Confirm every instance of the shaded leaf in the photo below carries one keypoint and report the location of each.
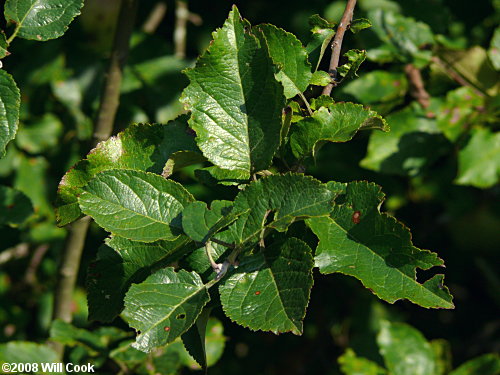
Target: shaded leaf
(10, 99)
(214, 344)
(337, 123)
(321, 34)
(350, 364)
(458, 111)
(41, 135)
(479, 161)
(413, 143)
(357, 240)
(194, 339)
(142, 147)
(276, 202)
(15, 206)
(200, 223)
(355, 58)
(27, 352)
(286, 51)
(404, 38)
(487, 364)
(3, 45)
(235, 100)
(494, 50)
(164, 306)
(270, 290)
(122, 262)
(359, 24)
(137, 205)
(320, 78)
(41, 19)
(213, 175)
(405, 350)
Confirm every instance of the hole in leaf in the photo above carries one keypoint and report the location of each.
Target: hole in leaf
(181, 316)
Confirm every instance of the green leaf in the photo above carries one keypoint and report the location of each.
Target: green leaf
(414, 143)
(137, 205)
(164, 306)
(236, 102)
(350, 364)
(287, 52)
(213, 175)
(194, 339)
(357, 240)
(121, 263)
(487, 364)
(355, 58)
(359, 24)
(10, 100)
(15, 206)
(337, 123)
(442, 355)
(321, 34)
(142, 147)
(405, 350)
(27, 352)
(3, 45)
(41, 19)
(276, 202)
(404, 38)
(320, 78)
(458, 111)
(379, 89)
(214, 344)
(200, 223)
(479, 161)
(41, 135)
(98, 340)
(494, 50)
(270, 290)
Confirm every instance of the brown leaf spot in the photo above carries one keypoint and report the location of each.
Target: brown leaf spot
(356, 217)
(257, 292)
(166, 329)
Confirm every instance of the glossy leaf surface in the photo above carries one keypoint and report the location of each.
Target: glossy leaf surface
(164, 306)
(270, 290)
(122, 262)
(358, 240)
(42, 19)
(337, 123)
(136, 205)
(10, 99)
(141, 147)
(235, 100)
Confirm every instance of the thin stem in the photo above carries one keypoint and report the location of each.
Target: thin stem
(418, 90)
(455, 75)
(155, 17)
(337, 44)
(306, 103)
(181, 19)
(75, 242)
(14, 34)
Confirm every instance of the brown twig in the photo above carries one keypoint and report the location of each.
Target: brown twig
(337, 44)
(417, 90)
(155, 17)
(453, 74)
(19, 251)
(75, 242)
(36, 259)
